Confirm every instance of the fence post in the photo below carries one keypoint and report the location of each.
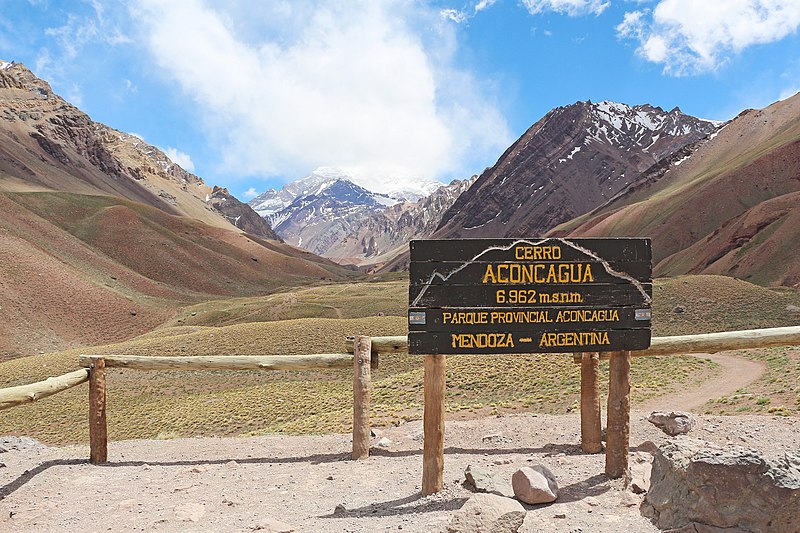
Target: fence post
(433, 424)
(619, 407)
(362, 355)
(590, 403)
(98, 429)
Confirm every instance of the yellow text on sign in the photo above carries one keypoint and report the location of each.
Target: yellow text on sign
(538, 273)
(537, 253)
(530, 296)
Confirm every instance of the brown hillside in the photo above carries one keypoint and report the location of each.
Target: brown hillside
(761, 244)
(714, 199)
(81, 269)
(47, 144)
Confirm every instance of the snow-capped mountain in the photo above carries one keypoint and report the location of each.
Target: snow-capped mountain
(422, 189)
(328, 214)
(572, 160)
(270, 202)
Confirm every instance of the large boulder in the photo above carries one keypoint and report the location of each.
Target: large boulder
(487, 513)
(534, 485)
(698, 484)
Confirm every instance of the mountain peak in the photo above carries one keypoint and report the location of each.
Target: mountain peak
(573, 159)
(17, 76)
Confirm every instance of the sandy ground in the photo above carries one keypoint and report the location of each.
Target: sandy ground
(257, 484)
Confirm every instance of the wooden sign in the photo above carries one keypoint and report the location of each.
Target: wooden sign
(529, 295)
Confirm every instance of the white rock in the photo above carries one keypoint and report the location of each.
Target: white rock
(534, 484)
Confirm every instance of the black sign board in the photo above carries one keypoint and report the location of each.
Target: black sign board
(529, 295)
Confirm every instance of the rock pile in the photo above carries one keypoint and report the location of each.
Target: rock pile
(493, 509)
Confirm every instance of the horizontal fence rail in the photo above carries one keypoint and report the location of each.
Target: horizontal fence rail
(35, 391)
(679, 344)
(223, 362)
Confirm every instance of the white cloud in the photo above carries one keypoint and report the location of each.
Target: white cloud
(456, 15)
(690, 37)
(573, 8)
(484, 4)
(130, 87)
(181, 158)
(250, 193)
(463, 15)
(366, 86)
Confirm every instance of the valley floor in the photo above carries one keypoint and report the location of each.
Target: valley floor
(247, 484)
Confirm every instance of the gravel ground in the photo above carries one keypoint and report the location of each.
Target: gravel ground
(252, 484)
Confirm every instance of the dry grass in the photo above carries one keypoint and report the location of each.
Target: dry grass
(350, 300)
(175, 403)
(776, 393)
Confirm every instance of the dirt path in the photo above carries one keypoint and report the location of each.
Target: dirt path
(737, 372)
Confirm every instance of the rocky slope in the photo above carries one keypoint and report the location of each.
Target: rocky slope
(730, 207)
(382, 241)
(48, 144)
(572, 160)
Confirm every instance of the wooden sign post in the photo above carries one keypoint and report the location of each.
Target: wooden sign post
(495, 296)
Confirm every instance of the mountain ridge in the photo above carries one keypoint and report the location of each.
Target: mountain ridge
(49, 144)
(727, 209)
(328, 214)
(571, 160)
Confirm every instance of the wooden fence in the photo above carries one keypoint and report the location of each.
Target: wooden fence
(363, 356)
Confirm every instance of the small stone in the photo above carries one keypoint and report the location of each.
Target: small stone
(273, 526)
(385, 442)
(674, 423)
(329, 478)
(793, 308)
(559, 516)
(375, 433)
(340, 510)
(534, 484)
(133, 313)
(678, 309)
(194, 313)
(494, 438)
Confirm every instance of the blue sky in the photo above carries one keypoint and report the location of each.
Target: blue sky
(252, 94)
